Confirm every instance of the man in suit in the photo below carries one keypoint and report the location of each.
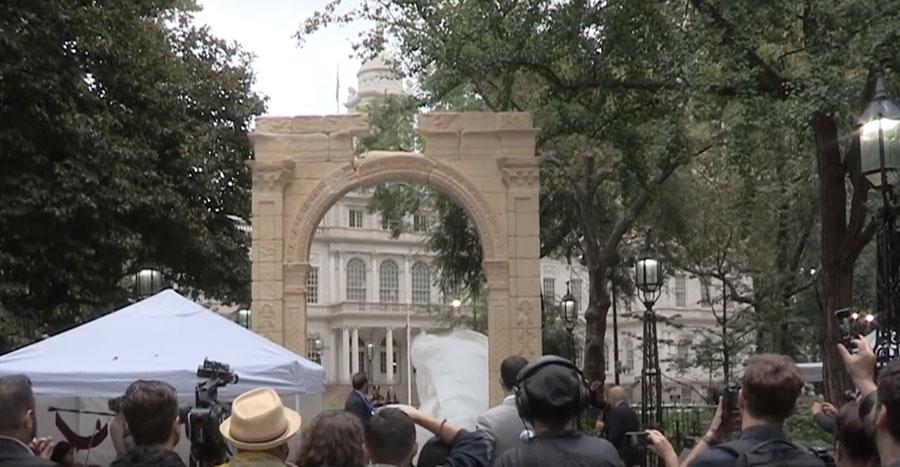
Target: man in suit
(620, 419)
(18, 426)
(357, 402)
(501, 425)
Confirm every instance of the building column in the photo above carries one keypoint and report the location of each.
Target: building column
(354, 349)
(345, 355)
(332, 367)
(389, 355)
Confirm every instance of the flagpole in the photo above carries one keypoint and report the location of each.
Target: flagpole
(408, 359)
(337, 90)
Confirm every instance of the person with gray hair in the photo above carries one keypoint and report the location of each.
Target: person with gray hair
(18, 426)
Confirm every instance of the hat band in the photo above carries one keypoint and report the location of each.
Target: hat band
(262, 441)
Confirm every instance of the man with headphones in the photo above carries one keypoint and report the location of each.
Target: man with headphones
(550, 395)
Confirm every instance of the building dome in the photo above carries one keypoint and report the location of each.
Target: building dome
(376, 77)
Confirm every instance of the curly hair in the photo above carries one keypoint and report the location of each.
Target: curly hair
(333, 438)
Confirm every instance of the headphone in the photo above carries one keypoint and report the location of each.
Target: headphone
(523, 401)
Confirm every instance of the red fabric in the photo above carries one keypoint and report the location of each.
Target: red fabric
(82, 442)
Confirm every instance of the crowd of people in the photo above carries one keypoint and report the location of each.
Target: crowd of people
(535, 425)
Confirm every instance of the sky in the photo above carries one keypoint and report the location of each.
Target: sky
(297, 81)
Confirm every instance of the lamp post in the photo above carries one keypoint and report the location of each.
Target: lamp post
(568, 310)
(243, 317)
(617, 366)
(879, 149)
(370, 355)
(147, 282)
(648, 280)
(318, 346)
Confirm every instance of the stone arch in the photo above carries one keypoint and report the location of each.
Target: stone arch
(484, 161)
(377, 167)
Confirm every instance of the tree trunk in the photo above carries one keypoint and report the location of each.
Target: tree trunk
(837, 284)
(595, 326)
(837, 262)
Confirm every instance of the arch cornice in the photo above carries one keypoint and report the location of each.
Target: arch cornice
(380, 166)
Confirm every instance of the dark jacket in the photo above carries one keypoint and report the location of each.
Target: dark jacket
(13, 454)
(469, 449)
(139, 456)
(620, 420)
(565, 449)
(359, 405)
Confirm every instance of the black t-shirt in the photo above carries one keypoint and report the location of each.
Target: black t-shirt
(566, 449)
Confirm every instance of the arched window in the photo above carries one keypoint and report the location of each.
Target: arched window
(356, 280)
(421, 283)
(388, 282)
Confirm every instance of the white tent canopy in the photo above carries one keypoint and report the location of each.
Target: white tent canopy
(165, 337)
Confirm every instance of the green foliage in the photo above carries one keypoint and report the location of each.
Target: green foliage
(392, 123)
(554, 337)
(451, 235)
(123, 138)
(803, 430)
(626, 92)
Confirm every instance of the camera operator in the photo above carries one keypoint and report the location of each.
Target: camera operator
(550, 394)
(770, 387)
(151, 411)
(883, 418)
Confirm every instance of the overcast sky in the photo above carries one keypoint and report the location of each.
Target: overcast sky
(297, 81)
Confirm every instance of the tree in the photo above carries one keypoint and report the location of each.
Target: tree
(571, 65)
(627, 92)
(812, 64)
(123, 138)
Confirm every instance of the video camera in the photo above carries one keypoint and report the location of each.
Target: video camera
(201, 422)
(852, 324)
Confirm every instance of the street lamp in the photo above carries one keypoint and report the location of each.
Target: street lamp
(147, 282)
(568, 310)
(318, 346)
(243, 318)
(879, 149)
(649, 282)
(370, 355)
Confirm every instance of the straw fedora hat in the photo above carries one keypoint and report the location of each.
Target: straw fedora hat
(259, 421)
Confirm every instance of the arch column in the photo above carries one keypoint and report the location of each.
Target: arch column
(295, 291)
(521, 177)
(496, 273)
(267, 247)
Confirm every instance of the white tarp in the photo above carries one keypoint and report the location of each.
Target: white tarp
(164, 337)
(452, 375)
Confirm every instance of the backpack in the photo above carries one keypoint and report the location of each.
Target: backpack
(769, 453)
